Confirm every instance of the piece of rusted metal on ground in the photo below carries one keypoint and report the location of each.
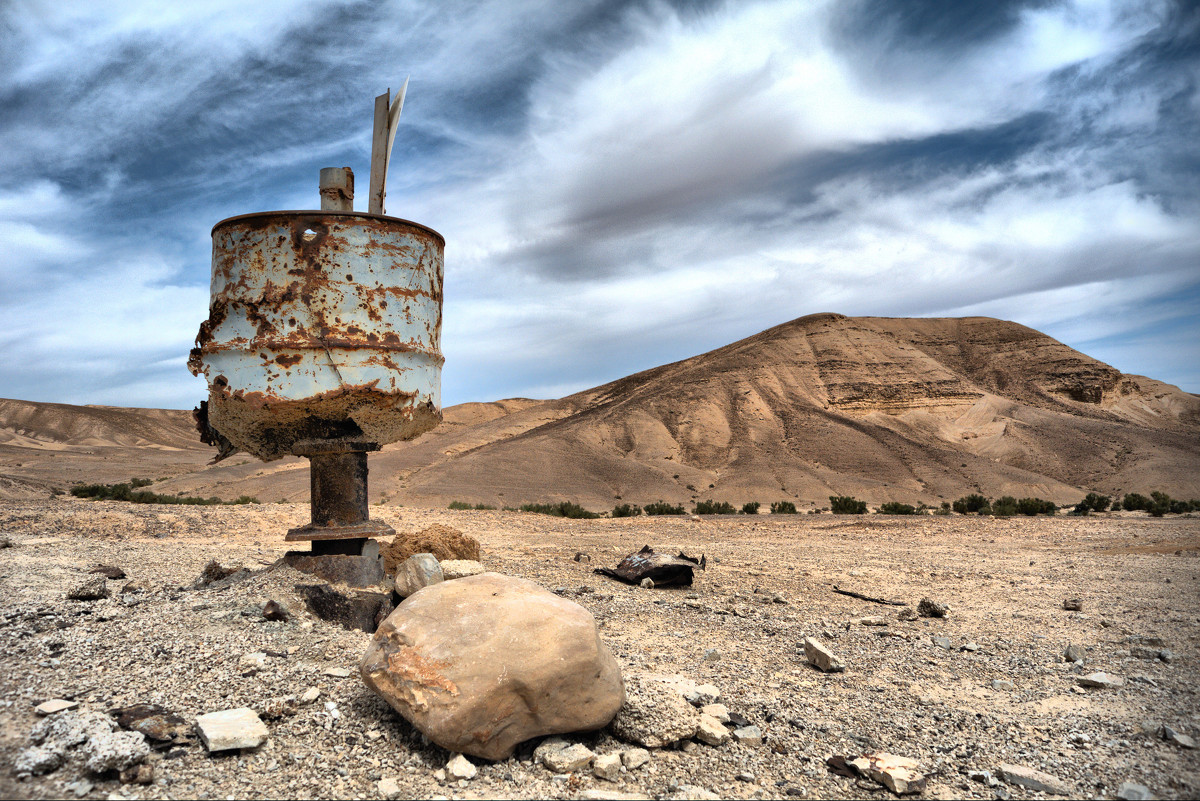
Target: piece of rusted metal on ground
(862, 597)
(353, 570)
(322, 325)
(661, 568)
(354, 610)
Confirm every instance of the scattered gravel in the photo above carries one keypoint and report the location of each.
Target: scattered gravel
(182, 649)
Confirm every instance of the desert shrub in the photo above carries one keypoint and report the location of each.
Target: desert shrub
(663, 508)
(140, 482)
(944, 509)
(711, 507)
(562, 509)
(972, 504)
(464, 505)
(1116, 507)
(1096, 502)
(896, 508)
(125, 492)
(1136, 502)
(626, 510)
(1035, 506)
(1005, 506)
(750, 508)
(847, 505)
(783, 508)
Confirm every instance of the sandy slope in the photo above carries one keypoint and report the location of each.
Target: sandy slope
(880, 408)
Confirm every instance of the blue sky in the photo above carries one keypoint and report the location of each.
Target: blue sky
(620, 184)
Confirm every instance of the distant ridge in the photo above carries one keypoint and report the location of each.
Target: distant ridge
(905, 409)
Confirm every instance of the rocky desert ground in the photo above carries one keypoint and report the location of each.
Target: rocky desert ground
(986, 686)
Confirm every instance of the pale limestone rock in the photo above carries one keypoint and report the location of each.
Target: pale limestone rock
(90, 590)
(231, 728)
(898, 774)
(1132, 791)
(114, 750)
(821, 657)
(607, 767)
(69, 729)
(417, 572)
(389, 788)
(691, 792)
(461, 568)
(459, 767)
(547, 746)
(654, 715)
(692, 691)
(54, 705)
(310, 695)
(711, 732)
(718, 711)
(748, 735)
(1100, 680)
(38, 759)
(1034, 780)
(634, 758)
(482, 663)
(570, 759)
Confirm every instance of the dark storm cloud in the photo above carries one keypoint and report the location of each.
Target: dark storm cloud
(620, 184)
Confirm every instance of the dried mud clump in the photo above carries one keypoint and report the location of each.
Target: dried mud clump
(442, 541)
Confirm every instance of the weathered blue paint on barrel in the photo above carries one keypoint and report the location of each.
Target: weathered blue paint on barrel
(322, 325)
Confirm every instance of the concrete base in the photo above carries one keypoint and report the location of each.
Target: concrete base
(353, 571)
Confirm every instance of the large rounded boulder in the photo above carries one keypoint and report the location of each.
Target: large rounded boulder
(482, 663)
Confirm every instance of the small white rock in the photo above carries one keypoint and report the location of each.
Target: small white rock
(54, 705)
(718, 711)
(231, 728)
(634, 758)
(821, 657)
(711, 732)
(748, 735)
(1100, 680)
(570, 759)
(337, 673)
(459, 767)
(461, 568)
(310, 695)
(607, 767)
(388, 788)
(417, 572)
(256, 660)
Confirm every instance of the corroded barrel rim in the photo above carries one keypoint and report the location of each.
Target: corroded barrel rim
(327, 214)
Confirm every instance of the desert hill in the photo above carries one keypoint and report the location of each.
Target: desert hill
(884, 409)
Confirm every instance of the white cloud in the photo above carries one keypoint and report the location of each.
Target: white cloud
(658, 185)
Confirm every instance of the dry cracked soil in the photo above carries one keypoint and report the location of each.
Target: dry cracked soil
(920, 688)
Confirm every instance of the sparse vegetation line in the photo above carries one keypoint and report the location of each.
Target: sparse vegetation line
(132, 493)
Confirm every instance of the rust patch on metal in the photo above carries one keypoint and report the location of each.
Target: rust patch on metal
(288, 361)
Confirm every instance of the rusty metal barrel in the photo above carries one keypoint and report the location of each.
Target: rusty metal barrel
(322, 325)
